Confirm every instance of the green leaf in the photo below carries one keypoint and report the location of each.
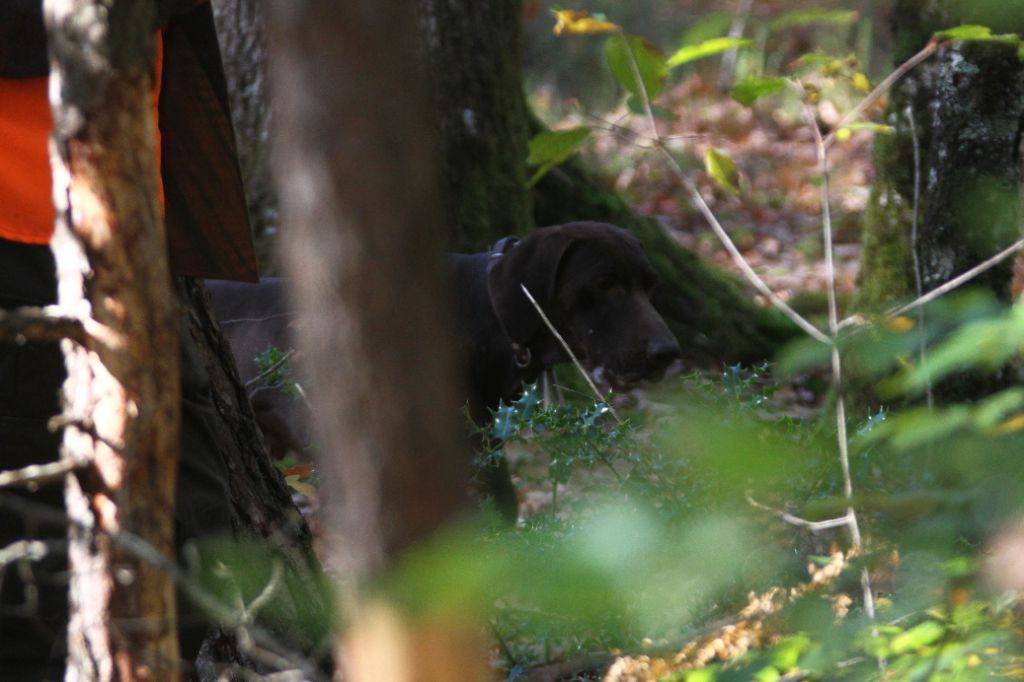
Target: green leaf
(918, 426)
(710, 25)
(551, 147)
(505, 423)
(751, 89)
(786, 654)
(965, 32)
(918, 636)
(987, 343)
(803, 17)
(722, 169)
(846, 132)
(708, 48)
(621, 51)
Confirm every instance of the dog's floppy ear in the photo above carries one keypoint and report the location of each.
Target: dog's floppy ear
(533, 262)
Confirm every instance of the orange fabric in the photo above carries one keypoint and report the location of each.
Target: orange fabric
(27, 214)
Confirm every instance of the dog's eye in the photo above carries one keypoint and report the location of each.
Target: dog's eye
(605, 284)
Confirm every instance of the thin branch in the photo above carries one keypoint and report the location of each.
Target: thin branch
(268, 592)
(285, 658)
(737, 257)
(270, 370)
(833, 320)
(30, 550)
(837, 367)
(47, 324)
(960, 279)
(794, 520)
(727, 69)
(36, 475)
(915, 209)
(572, 356)
(883, 87)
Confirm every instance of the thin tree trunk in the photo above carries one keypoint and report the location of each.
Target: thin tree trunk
(122, 393)
(363, 243)
(242, 47)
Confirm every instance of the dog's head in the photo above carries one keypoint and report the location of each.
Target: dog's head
(594, 282)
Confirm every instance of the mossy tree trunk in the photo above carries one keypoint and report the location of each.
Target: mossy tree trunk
(965, 107)
(482, 117)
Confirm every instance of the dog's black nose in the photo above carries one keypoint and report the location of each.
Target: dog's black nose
(661, 352)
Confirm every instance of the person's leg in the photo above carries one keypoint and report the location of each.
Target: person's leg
(33, 594)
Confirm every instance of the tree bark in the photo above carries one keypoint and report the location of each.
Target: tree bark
(263, 513)
(122, 394)
(965, 107)
(954, 203)
(363, 243)
(475, 54)
(243, 52)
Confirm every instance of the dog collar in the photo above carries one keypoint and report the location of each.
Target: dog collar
(521, 354)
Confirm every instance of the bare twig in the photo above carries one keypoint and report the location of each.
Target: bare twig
(47, 324)
(833, 321)
(283, 657)
(268, 592)
(572, 356)
(794, 520)
(270, 370)
(709, 216)
(727, 70)
(737, 257)
(883, 87)
(36, 475)
(937, 292)
(918, 286)
(961, 279)
(842, 439)
(29, 550)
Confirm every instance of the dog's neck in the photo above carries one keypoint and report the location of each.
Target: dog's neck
(495, 372)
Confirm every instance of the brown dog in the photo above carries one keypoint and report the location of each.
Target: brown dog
(591, 279)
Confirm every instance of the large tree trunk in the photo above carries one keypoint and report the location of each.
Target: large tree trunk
(363, 240)
(122, 394)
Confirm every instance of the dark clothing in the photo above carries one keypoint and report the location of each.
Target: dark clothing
(32, 635)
